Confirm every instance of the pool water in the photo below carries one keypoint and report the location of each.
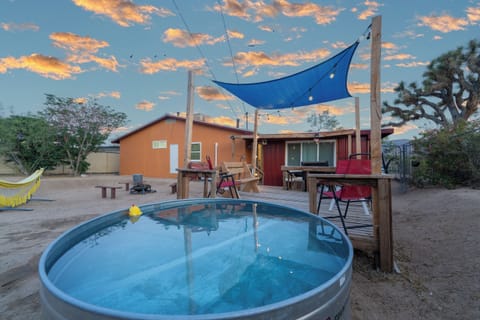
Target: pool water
(198, 259)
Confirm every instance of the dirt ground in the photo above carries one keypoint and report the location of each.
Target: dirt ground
(436, 242)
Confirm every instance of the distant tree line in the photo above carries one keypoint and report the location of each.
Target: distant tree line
(65, 132)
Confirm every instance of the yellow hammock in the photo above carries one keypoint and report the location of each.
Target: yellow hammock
(13, 194)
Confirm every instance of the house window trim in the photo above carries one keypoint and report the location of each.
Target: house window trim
(199, 152)
(310, 141)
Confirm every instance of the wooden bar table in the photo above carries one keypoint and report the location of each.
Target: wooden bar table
(381, 242)
(305, 171)
(183, 181)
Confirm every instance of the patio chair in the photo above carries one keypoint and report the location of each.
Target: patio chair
(293, 179)
(348, 193)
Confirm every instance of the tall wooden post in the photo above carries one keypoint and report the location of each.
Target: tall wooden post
(188, 122)
(255, 142)
(183, 180)
(381, 196)
(358, 138)
(375, 107)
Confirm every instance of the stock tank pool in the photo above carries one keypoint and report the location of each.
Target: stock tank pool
(199, 259)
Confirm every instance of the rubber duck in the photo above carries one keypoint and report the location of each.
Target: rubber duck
(134, 211)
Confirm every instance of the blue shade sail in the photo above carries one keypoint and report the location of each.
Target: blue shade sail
(323, 82)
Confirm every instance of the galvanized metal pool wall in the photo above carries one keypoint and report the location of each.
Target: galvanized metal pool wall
(207, 219)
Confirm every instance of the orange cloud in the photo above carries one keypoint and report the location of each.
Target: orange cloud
(222, 120)
(444, 23)
(321, 14)
(358, 88)
(123, 12)
(113, 94)
(361, 66)
(339, 45)
(259, 58)
(389, 46)
(406, 128)
(210, 93)
(48, 67)
(181, 38)
(255, 42)
(266, 28)
(473, 14)
(76, 43)
(364, 88)
(170, 64)
(400, 56)
(413, 64)
(19, 27)
(82, 49)
(371, 10)
(145, 106)
(233, 34)
(166, 95)
(258, 10)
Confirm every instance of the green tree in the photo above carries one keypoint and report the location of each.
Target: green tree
(29, 143)
(449, 156)
(82, 126)
(322, 121)
(449, 94)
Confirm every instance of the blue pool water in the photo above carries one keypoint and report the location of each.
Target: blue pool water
(197, 259)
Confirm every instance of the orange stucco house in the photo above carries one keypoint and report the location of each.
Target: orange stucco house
(157, 148)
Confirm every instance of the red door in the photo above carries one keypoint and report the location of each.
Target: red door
(273, 160)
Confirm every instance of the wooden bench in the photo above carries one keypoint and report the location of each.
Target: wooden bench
(112, 191)
(243, 176)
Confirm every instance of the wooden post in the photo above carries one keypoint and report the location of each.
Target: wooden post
(375, 108)
(358, 138)
(188, 122)
(183, 181)
(255, 142)
(381, 196)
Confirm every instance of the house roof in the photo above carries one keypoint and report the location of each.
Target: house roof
(172, 117)
(310, 135)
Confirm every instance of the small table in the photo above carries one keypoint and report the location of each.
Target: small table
(305, 170)
(382, 239)
(112, 191)
(183, 181)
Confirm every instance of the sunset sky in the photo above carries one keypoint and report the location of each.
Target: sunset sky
(135, 55)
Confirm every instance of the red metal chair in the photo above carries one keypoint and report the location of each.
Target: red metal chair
(348, 193)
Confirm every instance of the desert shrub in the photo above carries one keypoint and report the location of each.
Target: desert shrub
(449, 157)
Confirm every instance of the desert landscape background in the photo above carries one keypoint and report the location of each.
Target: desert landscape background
(436, 248)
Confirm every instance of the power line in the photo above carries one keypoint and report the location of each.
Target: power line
(200, 52)
(227, 37)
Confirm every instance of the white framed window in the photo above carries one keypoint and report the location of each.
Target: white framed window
(196, 151)
(159, 144)
(310, 151)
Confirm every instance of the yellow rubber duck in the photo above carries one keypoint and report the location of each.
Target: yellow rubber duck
(134, 211)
